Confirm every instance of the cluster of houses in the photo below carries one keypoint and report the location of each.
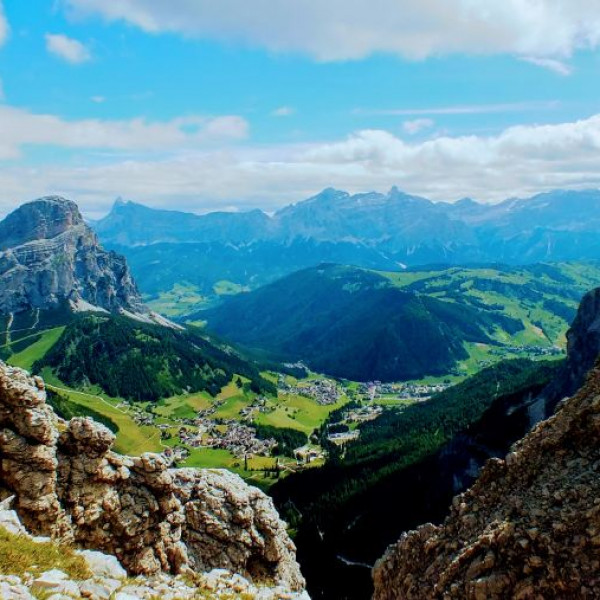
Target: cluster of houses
(231, 435)
(529, 350)
(259, 405)
(323, 391)
(374, 390)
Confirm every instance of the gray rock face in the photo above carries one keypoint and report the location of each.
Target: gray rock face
(48, 255)
(69, 485)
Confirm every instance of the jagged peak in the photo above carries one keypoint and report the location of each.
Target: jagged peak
(396, 193)
(328, 195)
(121, 205)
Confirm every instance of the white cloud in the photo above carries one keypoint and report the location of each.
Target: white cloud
(4, 28)
(519, 161)
(283, 111)
(98, 99)
(338, 29)
(20, 127)
(558, 66)
(67, 48)
(416, 125)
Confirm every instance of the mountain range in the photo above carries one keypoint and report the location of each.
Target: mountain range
(351, 321)
(381, 231)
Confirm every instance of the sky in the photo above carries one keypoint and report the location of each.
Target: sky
(233, 105)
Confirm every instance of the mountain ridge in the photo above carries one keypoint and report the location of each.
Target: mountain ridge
(387, 231)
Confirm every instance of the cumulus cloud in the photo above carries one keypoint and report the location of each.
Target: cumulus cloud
(338, 29)
(20, 127)
(67, 48)
(414, 126)
(520, 161)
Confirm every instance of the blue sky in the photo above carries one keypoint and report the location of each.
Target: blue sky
(204, 107)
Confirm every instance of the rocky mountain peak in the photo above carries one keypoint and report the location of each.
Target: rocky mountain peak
(397, 195)
(41, 219)
(48, 255)
(119, 201)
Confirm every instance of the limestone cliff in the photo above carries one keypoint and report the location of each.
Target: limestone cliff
(68, 484)
(528, 528)
(48, 255)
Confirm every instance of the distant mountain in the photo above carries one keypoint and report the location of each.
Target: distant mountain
(365, 325)
(131, 224)
(374, 230)
(49, 256)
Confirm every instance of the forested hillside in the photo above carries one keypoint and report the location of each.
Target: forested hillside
(366, 325)
(355, 324)
(142, 362)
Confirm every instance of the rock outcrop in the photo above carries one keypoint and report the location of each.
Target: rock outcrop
(528, 528)
(583, 348)
(48, 255)
(91, 574)
(69, 485)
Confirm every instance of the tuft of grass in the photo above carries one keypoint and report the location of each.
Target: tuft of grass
(20, 554)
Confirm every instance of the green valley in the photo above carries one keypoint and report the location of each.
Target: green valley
(205, 405)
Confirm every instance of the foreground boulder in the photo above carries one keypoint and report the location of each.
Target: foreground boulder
(528, 528)
(69, 485)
